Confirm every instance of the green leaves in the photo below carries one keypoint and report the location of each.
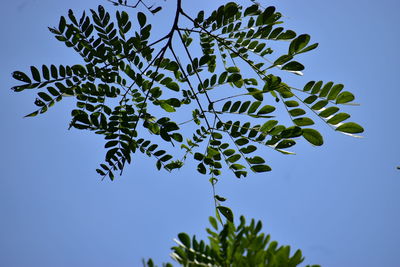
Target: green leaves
(126, 83)
(243, 244)
(329, 94)
(247, 108)
(130, 85)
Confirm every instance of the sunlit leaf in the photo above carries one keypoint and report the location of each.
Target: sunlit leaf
(261, 168)
(313, 136)
(266, 109)
(298, 43)
(344, 97)
(304, 121)
(167, 107)
(293, 66)
(338, 118)
(350, 127)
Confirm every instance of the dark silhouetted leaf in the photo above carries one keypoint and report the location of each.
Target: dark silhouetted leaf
(157, 9)
(35, 74)
(185, 239)
(226, 212)
(141, 18)
(20, 76)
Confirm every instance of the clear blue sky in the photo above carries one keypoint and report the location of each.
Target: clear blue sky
(338, 203)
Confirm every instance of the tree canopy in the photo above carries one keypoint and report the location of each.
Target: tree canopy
(224, 72)
(131, 82)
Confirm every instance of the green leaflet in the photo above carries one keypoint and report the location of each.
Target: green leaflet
(319, 105)
(248, 149)
(234, 158)
(334, 92)
(299, 43)
(35, 74)
(316, 87)
(296, 112)
(235, 106)
(254, 106)
(350, 127)
(293, 66)
(167, 107)
(304, 121)
(255, 160)
(285, 144)
(344, 97)
(227, 212)
(226, 106)
(266, 109)
(283, 59)
(338, 118)
(313, 136)
(142, 19)
(260, 168)
(185, 239)
(266, 127)
(20, 76)
(291, 103)
(328, 112)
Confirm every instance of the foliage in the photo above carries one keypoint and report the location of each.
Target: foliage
(242, 245)
(131, 84)
(229, 82)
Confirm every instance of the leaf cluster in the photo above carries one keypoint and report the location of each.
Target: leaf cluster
(132, 84)
(233, 245)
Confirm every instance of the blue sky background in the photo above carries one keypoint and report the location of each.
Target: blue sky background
(338, 203)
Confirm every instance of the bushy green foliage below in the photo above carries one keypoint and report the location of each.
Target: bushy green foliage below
(233, 246)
